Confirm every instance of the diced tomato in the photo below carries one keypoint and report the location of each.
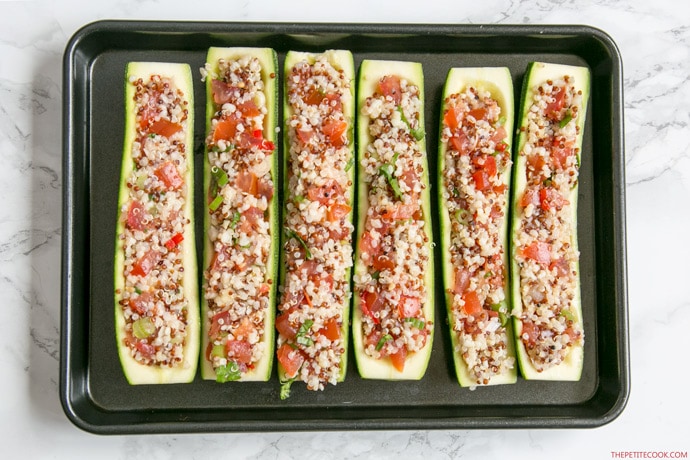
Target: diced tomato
(550, 197)
(481, 180)
(326, 193)
(498, 137)
(284, 327)
(460, 143)
(398, 359)
(244, 329)
(409, 306)
(561, 265)
(164, 127)
(389, 86)
(314, 97)
(371, 302)
(383, 262)
(324, 278)
(531, 330)
(536, 162)
(225, 129)
(219, 319)
(462, 280)
(451, 118)
(500, 189)
(305, 134)
(147, 350)
(222, 92)
(264, 189)
(334, 131)
(167, 173)
(373, 339)
(290, 359)
(334, 101)
(366, 245)
(139, 303)
(553, 108)
(239, 351)
(560, 156)
(479, 113)
(399, 211)
(410, 178)
(249, 109)
(174, 241)
(531, 196)
(135, 216)
(337, 211)
(267, 145)
(145, 264)
(472, 304)
(149, 111)
(246, 182)
(250, 219)
(293, 297)
(539, 252)
(490, 166)
(330, 330)
(264, 288)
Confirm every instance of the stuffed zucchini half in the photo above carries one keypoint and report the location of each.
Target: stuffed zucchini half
(156, 288)
(393, 315)
(475, 164)
(313, 319)
(547, 309)
(241, 218)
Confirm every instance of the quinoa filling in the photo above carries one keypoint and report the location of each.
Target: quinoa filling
(241, 188)
(394, 244)
(317, 225)
(153, 300)
(475, 196)
(547, 260)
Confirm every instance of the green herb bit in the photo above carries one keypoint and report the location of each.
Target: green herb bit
(137, 290)
(152, 136)
(501, 121)
(488, 274)
(376, 275)
(218, 350)
(228, 373)
(566, 119)
(567, 314)
(348, 166)
(382, 341)
(387, 170)
(219, 175)
(289, 233)
(497, 307)
(215, 204)
(235, 219)
(417, 133)
(143, 328)
(416, 322)
(285, 388)
(299, 198)
(301, 336)
(461, 215)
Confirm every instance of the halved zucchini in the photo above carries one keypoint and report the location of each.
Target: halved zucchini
(388, 357)
(546, 194)
(466, 88)
(142, 190)
(233, 319)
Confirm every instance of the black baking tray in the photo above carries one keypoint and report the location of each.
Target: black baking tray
(94, 393)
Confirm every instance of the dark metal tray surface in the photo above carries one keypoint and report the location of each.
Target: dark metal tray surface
(94, 393)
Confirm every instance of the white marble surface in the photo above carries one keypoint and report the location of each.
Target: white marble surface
(654, 38)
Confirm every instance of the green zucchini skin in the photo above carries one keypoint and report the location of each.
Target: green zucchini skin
(370, 72)
(269, 63)
(538, 72)
(342, 60)
(498, 82)
(135, 372)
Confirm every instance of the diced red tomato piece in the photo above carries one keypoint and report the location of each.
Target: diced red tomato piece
(135, 216)
(399, 211)
(284, 327)
(249, 109)
(409, 306)
(218, 320)
(239, 351)
(264, 189)
(225, 129)
(462, 280)
(244, 329)
(531, 330)
(460, 143)
(451, 118)
(410, 178)
(472, 304)
(560, 156)
(336, 212)
(561, 265)
(145, 264)
(479, 113)
(314, 97)
(481, 180)
(139, 303)
(389, 86)
(500, 189)
(539, 252)
(536, 162)
(168, 174)
(331, 330)
(383, 262)
(498, 137)
(550, 197)
(398, 359)
(147, 350)
(305, 134)
(531, 196)
(223, 92)
(290, 359)
(371, 302)
(373, 339)
(366, 245)
(326, 193)
(553, 108)
(334, 130)
(149, 111)
(246, 182)
(164, 127)
(174, 241)
(250, 219)
(334, 101)
(490, 166)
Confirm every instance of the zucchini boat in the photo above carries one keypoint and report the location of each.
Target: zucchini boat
(474, 176)
(393, 317)
(547, 310)
(319, 197)
(241, 218)
(156, 288)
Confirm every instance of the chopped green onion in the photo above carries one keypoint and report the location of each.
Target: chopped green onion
(152, 135)
(376, 275)
(215, 204)
(235, 219)
(382, 341)
(143, 328)
(349, 164)
(488, 274)
(418, 133)
(137, 290)
(387, 170)
(141, 181)
(416, 322)
(301, 336)
(455, 192)
(228, 373)
(461, 216)
(293, 234)
(219, 175)
(395, 159)
(299, 199)
(501, 315)
(566, 119)
(567, 314)
(218, 350)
